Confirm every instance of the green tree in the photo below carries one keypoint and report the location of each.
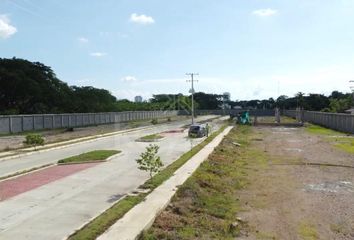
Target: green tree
(300, 99)
(340, 105)
(149, 161)
(208, 101)
(32, 87)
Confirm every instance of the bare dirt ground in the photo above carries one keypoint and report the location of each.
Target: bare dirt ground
(12, 142)
(297, 195)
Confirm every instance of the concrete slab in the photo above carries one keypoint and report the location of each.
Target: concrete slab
(143, 215)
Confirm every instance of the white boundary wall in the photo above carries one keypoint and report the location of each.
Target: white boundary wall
(22, 123)
(337, 121)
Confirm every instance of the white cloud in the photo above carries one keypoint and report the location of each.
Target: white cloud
(98, 54)
(129, 79)
(141, 19)
(83, 40)
(6, 29)
(266, 12)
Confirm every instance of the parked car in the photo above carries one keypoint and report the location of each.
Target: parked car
(197, 130)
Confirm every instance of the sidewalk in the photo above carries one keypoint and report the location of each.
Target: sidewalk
(143, 215)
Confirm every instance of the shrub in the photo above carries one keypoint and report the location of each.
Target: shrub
(154, 121)
(34, 140)
(168, 119)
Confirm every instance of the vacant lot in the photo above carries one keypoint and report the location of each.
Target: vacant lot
(281, 183)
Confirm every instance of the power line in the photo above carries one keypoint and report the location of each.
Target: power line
(192, 80)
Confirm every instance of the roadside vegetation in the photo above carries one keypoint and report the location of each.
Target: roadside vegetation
(34, 140)
(150, 138)
(97, 155)
(101, 223)
(149, 160)
(206, 205)
(340, 140)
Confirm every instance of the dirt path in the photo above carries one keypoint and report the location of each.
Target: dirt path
(290, 198)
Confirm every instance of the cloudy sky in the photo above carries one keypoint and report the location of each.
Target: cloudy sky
(252, 49)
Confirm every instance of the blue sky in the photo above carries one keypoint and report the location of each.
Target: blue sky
(252, 49)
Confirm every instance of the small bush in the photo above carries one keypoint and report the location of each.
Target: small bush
(154, 121)
(34, 140)
(168, 119)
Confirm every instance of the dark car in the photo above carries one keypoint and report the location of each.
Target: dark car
(197, 130)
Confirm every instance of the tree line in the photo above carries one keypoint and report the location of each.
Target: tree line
(32, 87)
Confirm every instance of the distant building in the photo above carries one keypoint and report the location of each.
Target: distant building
(138, 99)
(226, 96)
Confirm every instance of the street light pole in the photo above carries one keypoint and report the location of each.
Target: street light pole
(192, 91)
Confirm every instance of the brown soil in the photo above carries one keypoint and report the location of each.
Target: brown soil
(289, 199)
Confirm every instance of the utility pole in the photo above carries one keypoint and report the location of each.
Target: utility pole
(192, 80)
(351, 82)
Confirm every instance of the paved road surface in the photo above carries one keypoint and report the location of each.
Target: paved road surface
(54, 210)
(11, 166)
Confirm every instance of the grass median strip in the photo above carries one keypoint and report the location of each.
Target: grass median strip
(97, 155)
(101, 223)
(207, 204)
(150, 138)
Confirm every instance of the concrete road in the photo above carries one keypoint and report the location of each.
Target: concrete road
(37, 159)
(55, 210)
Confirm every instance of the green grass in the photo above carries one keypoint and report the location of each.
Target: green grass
(338, 139)
(316, 129)
(101, 223)
(206, 205)
(151, 137)
(345, 144)
(97, 155)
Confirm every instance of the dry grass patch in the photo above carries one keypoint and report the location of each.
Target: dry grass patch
(207, 204)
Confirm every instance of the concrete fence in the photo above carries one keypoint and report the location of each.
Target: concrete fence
(337, 121)
(22, 123)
